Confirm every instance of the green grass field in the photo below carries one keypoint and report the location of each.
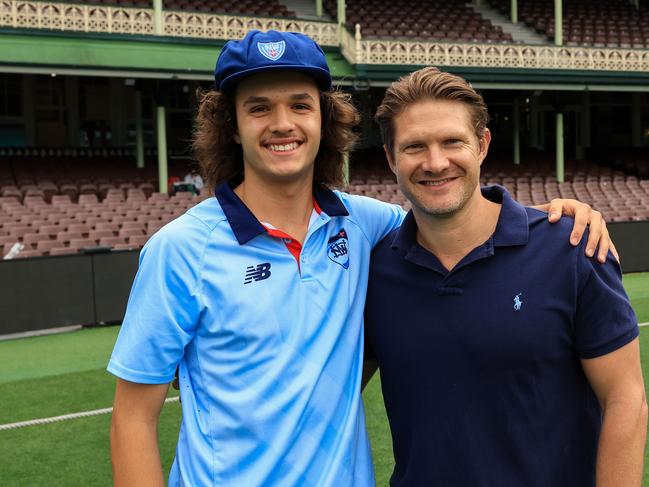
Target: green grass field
(61, 374)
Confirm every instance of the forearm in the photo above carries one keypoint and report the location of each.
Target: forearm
(621, 445)
(135, 455)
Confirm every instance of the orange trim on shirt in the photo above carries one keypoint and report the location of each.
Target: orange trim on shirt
(293, 246)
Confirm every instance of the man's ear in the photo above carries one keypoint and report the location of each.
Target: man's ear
(484, 144)
(236, 138)
(388, 156)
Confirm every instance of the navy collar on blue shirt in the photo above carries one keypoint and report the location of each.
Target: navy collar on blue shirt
(246, 226)
(512, 228)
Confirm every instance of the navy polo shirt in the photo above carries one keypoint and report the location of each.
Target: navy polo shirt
(480, 366)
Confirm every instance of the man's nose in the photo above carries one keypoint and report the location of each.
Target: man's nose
(282, 121)
(435, 159)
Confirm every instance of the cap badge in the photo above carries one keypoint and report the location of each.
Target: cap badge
(272, 50)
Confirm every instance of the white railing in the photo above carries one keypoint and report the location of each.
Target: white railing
(104, 19)
(501, 56)
(118, 20)
(210, 26)
(75, 17)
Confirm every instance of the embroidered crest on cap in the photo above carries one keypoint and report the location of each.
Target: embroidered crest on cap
(337, 249)
(272, 50)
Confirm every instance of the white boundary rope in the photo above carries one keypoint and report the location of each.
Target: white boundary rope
(65, 417)
(643, 324)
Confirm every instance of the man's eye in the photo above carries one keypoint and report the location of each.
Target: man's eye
(257, 109)
(301, 106)
(413, 148)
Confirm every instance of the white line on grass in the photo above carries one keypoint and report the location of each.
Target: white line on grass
(65, 417)
(38, 333)
(96, 412)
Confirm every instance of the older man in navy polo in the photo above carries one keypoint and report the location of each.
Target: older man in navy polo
(507, 357)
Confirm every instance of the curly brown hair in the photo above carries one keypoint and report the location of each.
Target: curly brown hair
(428, 83)
(221, 158)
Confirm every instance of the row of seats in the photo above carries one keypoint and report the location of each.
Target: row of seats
(268, 8)
(64, 227)
(29, 172)
(597, 23)
(625, 199)
(409, 19)
(48, 190)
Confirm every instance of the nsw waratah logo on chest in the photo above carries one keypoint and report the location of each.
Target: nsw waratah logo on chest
(337, 249)
(272, 50)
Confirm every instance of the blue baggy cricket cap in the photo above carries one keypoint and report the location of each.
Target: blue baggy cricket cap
(272, 50)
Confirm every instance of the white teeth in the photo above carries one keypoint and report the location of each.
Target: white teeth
(283, 147)
(436, 183)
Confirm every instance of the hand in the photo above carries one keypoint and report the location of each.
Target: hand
(584, 216)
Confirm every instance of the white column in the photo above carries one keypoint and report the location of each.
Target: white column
(163, 172)
(517, 135)
(560, 152)
(157, 18)
(558, 23)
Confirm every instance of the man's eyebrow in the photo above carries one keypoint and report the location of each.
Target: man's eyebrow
(255, 99)
(301, 96)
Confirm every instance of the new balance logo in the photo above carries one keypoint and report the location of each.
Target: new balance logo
(259, 273)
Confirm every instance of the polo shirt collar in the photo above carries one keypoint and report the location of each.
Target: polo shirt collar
(246, 226)
(512, 227)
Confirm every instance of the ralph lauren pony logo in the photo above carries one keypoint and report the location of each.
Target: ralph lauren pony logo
(337, 249)
(272, 50)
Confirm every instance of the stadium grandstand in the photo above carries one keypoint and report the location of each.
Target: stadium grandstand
(97, 99)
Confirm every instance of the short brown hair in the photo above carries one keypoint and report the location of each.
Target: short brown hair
(428, 84)
(221, 158)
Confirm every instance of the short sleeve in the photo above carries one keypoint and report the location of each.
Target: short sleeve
(163, 307)
(375, 218)
(604, 319)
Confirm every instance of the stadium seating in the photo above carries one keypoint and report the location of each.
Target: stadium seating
(124, 219)
(268, 8)
(619, 196)
(598, 23)
(84, 204)
(409, 19)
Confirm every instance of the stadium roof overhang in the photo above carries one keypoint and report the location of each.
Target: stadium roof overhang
(520, 79)
(82, 54)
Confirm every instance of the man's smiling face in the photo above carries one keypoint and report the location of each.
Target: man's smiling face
(437, 155)
(279, 125)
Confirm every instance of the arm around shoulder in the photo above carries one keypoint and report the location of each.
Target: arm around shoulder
(133, 434)
(616, 379)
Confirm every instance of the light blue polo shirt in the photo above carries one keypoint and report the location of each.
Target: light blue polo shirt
(270, 353)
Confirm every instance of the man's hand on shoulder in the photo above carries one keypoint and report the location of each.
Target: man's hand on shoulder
(585, 216)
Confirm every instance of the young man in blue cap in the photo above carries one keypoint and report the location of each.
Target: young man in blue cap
(256, 295)
(511, 358)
